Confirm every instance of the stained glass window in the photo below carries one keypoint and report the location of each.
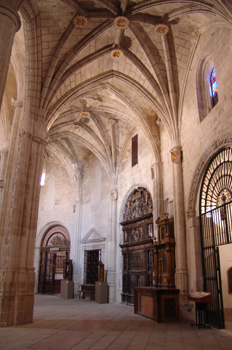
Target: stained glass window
(213, 87)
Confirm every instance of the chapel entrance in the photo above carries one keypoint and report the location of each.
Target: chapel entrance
(137, 244)
(216, 235)
(54, 248)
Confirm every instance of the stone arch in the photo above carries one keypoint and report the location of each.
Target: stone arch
(199, 172)
(52, 249)
(57, 235)
(45, 229)
(129, 192)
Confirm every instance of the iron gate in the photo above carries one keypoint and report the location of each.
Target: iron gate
(216, 227)
(216, 230)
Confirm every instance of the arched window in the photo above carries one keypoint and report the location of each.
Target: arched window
(206, 87)
(213, 87)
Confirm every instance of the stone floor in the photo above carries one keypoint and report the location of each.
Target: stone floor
(71, 324)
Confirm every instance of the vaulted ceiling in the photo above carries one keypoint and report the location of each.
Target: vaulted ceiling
(109, 67)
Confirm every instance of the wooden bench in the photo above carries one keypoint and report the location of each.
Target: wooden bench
(88, 289)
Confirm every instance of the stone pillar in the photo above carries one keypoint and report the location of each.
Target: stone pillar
(3, 165)
(111, 276)
(194, 254)
(157, 193)
(19, 219)
(9, 25)
(179, 224)
(76, 240)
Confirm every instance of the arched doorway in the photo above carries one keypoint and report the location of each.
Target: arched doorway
(137, 243)
(54, 248)
(216, 230)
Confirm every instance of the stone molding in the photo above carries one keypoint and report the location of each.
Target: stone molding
(95, 237)
(34, 138)
(52, 231)
(12, 15)
(16, 103)
(39, 140)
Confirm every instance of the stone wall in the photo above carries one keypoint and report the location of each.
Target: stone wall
(198, 137)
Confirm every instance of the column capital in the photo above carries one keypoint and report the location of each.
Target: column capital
(13, 15)
(114, 195)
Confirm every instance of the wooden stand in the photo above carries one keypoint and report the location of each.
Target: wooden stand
(101, 292)
(66, 289)
(201, 300)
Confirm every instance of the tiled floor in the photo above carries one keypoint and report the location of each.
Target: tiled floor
(71, 324)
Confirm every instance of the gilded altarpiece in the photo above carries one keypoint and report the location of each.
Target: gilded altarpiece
(164, 253)
(137, 243)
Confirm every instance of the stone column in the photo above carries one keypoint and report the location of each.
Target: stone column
(111, 277)
(9, 25)
(76, 241)
(157, 193)
(18, 221)
(3, 165)
(179, 224)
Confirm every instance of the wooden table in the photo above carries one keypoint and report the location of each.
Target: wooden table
(159, 304)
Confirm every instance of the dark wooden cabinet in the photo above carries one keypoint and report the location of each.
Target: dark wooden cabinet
(137, 243)
(159, 304)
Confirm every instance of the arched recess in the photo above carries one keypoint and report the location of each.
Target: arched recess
(54, 248)
(137, 226)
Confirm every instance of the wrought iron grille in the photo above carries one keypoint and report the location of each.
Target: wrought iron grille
(91, 259)
(217, 184)
(216, 227)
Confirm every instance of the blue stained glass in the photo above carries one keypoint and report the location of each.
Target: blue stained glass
(213, 84)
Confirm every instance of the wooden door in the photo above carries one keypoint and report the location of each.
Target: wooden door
(47, 272)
